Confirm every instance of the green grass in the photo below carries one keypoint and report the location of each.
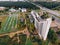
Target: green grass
(7, 26)
(3, 23)
(28, 42)
(5, 30)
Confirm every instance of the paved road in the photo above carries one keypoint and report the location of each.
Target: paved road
(57, 20)
(50, 11)
(53, 13)
(45, 9)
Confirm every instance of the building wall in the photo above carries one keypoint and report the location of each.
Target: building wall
(42, 26)
(45, 29)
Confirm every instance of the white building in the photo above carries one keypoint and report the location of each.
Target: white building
(23, 10)
(2, 8)
(12, 10)
(42, 25)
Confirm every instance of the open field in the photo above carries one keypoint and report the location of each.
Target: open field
(3, 18)
(9, 22)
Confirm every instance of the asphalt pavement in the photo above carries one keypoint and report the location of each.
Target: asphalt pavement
(53, 13)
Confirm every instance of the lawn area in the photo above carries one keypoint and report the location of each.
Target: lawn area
(35, 43)
(8, 23)
(28, 42)
(11, 23)
(3, 18)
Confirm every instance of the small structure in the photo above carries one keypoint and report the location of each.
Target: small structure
(31, 18)
(19, 8)
(21, 19)
(12, 10)
(2, 8)
(23, 10)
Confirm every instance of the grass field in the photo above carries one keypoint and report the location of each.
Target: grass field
(28, 42)
(8, 23)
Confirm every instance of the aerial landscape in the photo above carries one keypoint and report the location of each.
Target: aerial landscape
(29, 22)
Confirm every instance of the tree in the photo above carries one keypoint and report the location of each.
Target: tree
(4, 40)
(40, 42)
(52, 36)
